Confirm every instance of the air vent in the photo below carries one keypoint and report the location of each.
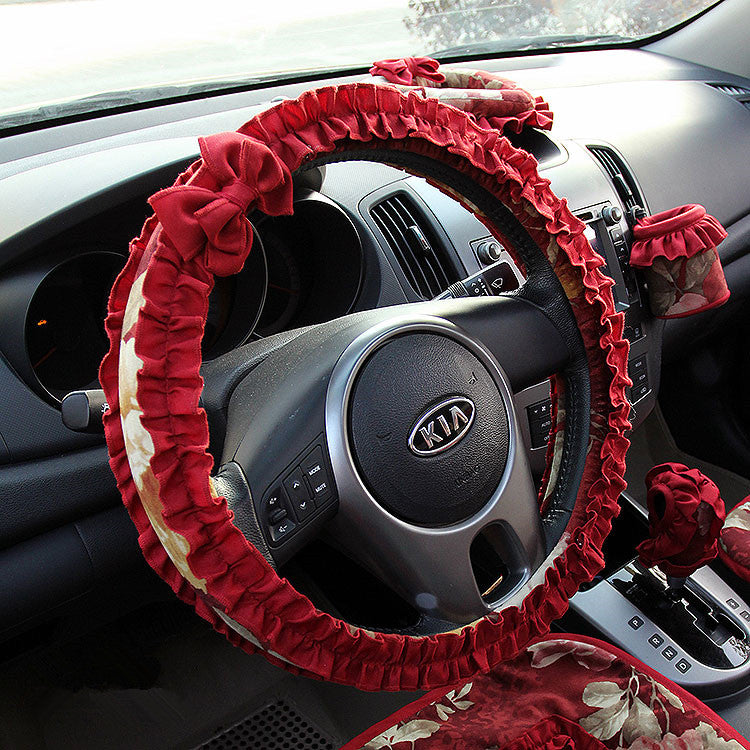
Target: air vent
(418, 251)
(738, 93)
(619, 174)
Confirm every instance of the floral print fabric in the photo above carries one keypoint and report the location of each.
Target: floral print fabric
(734, 541)
(560, 692)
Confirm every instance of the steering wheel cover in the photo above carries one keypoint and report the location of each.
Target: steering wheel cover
(157, 434)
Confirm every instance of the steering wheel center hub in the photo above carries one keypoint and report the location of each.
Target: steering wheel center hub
(429, 429)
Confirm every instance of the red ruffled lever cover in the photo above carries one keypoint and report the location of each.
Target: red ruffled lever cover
(686, 513)
(677, 250)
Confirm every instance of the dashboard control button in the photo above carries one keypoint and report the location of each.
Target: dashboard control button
(616, 234)
(489, 251)
(637, 365)
(745, 615)
(683, 665)
(638, 392)
(669, 653)
(635, 622)
(281, 530)
(634, 332)
(732, 603)
(639, 378)
(656, 640)
(612, 215)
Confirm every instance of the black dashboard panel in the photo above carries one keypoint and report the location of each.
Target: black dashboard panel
(82, 187)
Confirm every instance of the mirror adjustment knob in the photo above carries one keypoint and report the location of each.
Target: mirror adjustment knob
(612, 215)
(489, 251)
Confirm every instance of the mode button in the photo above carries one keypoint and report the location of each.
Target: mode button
(315, 468)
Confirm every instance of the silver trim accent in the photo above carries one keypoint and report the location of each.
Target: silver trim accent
(430, 567)
(419, 426)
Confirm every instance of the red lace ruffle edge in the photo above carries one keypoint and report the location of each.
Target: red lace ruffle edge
(677, 233)
(239, 581)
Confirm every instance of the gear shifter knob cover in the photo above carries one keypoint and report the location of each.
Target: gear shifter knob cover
(686, 513)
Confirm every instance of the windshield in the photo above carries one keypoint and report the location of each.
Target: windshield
(55, 51)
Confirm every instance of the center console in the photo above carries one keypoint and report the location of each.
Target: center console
(608, 232)
(698, 636)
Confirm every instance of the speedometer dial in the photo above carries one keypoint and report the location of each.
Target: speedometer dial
(284, 287)
(64, 334)
(65, 337)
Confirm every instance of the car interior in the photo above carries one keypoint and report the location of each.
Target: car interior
(97, 651)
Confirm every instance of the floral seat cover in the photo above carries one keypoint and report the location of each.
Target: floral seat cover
(561, 692)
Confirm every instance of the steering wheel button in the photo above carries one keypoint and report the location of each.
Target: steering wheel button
(321, 489)
(303, 508)
(314, 465)
(296, 486)
(277, 515)
(275, 501)
(280, 531)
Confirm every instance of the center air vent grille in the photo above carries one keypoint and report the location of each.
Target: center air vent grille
(422, 257)
(738, 93)
(619, 174)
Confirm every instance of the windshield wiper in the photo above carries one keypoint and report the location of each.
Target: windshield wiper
(522, 44)
(118, 101)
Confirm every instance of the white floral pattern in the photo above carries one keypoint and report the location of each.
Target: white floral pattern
(421, 728)
(622, 710)
(545, 653)
(739, 518)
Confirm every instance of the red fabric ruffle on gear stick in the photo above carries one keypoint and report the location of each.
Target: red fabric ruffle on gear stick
(685, 513)
(502, 105)
(734, 540)
(677, 249)
(233, 585)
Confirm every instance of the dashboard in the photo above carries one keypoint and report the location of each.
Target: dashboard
(632, 128)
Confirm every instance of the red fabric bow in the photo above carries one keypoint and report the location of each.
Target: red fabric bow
(199, 219)
(405, 69)
(686, 513)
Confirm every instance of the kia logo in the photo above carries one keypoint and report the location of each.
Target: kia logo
(442, 426)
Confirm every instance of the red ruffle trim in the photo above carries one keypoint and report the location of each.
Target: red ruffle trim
(555, 733)
(525, 111)
(678, 233)
(734, 542)
(239, 581)
(404, 70)
(539, 117)
(685, 513)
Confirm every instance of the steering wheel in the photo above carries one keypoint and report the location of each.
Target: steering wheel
(392, 431)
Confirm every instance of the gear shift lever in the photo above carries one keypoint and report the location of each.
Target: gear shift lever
(685, 513)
